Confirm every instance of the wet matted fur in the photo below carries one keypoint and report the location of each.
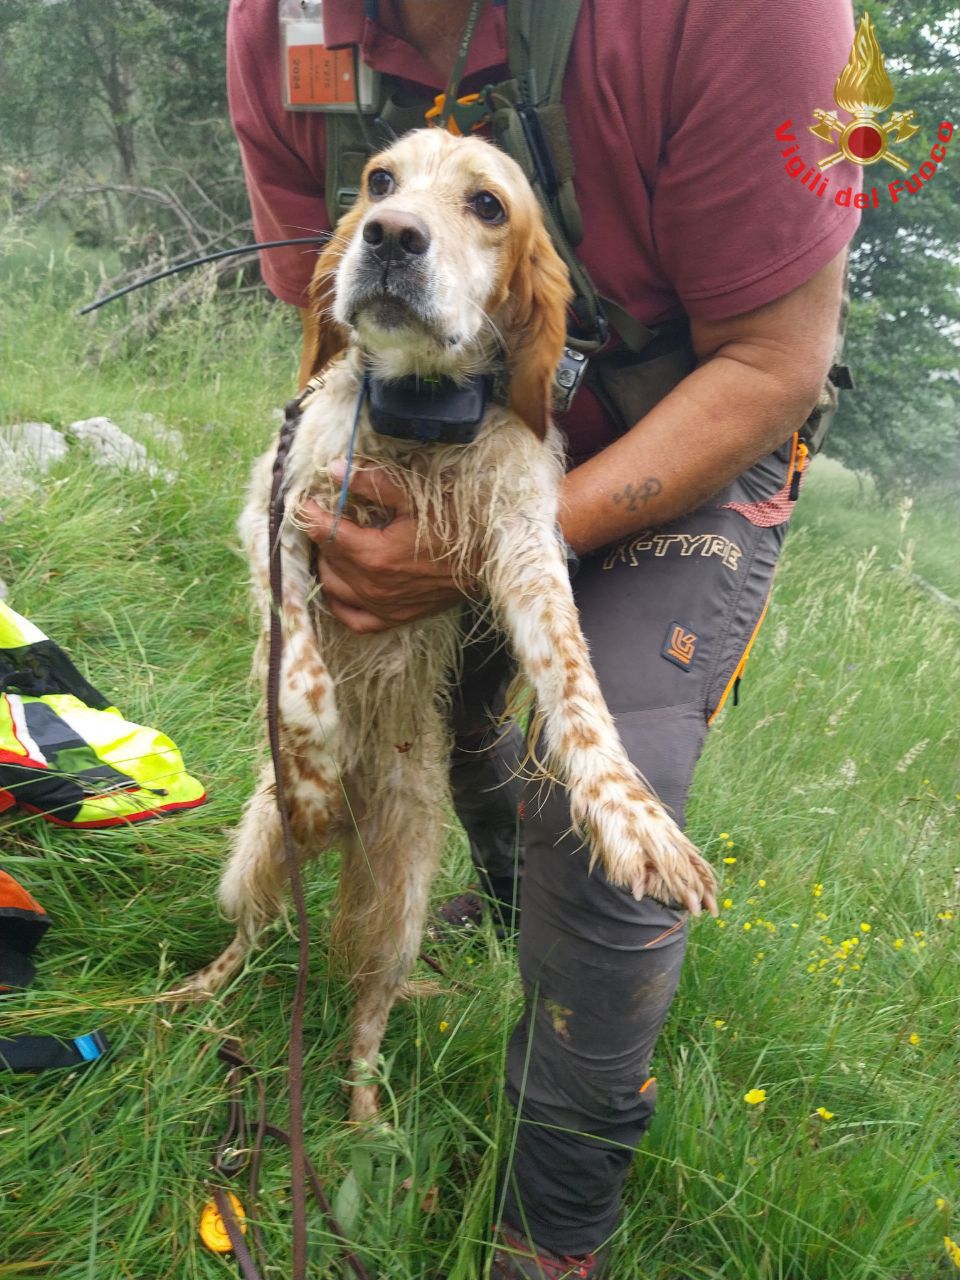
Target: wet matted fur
(424, 276)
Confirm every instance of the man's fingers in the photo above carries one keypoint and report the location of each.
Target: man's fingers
(337, 588)
(322, 526)
(359, 621)
(373, 484)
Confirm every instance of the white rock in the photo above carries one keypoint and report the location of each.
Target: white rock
(111, 447)
(170, 437)
(27, 451)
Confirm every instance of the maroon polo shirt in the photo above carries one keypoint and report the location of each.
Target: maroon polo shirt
(673, 109)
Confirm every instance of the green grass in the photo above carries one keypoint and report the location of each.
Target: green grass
(819, 778)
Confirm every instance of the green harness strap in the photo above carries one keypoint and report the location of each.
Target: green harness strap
(538, 44)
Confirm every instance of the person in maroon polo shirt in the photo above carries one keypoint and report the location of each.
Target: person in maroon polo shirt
(673, 109)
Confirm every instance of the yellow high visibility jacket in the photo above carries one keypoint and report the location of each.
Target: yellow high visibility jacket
(66, 753)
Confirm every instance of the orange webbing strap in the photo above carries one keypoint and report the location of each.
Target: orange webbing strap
(799, 458)
(799, 461)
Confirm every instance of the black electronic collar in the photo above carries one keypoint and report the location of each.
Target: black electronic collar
(429, 410)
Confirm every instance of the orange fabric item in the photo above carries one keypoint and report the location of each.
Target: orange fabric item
(23, 922)
(13, 896)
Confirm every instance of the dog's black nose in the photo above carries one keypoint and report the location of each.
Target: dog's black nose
(395, 237)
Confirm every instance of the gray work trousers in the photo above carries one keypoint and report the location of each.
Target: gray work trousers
(668, 615)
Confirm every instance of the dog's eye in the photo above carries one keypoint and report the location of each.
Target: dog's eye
(380, 182)
(488, 208)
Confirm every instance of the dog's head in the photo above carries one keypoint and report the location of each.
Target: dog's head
(443, 266)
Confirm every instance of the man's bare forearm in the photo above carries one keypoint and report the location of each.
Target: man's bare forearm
(709, 430)
(759, 378)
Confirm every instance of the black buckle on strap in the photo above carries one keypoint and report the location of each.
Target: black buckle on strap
(539, 147)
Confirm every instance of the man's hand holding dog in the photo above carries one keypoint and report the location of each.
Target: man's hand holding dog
(377, 578)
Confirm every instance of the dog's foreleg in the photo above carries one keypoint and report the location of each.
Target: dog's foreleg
(627, 828)
(256, 877)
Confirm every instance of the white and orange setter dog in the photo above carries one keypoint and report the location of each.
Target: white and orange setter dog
(442, 268)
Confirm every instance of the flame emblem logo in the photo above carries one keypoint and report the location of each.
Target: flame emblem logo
(864, 91)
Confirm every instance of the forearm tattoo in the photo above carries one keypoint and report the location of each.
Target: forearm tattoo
(635, 496)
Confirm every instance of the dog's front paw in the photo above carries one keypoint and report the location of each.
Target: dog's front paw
(643, 850)
(679, 874)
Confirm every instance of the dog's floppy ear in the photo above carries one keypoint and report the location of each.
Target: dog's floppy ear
(323, 338)
(539, 291)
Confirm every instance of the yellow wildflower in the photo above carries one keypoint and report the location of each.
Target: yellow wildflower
(864, 927)
(755, 1096)
(821, 915)
(953, 1250)
(729, 861)
(721, 924)
(944, 915)
(941, 1204)
(444, 1025)
(913, 1038)
(824, 1114)
(897, 944)
(817, 890)
(747, 925)
(762, 884)
(730, 843)
(724, 835)
(727, 904)
(719, 1023)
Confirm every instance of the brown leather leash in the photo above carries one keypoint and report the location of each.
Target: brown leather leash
(231, 1155)
(231, 1152)
(229, 1158)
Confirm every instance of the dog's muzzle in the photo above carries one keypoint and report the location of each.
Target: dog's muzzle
(391, 280)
